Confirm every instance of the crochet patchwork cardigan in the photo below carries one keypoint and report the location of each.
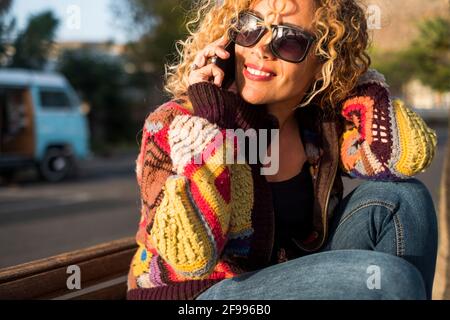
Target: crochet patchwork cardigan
(204, 221)
(388, 140)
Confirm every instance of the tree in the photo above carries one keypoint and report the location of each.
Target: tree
(99, 78)
(396, 66)
(156, 25)
(33, 44)
(431, 54)
(427, 58)
(7, 25)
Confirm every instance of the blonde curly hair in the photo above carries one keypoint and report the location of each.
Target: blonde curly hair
(342, 41)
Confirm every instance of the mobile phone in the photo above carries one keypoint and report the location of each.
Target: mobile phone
(228, 66)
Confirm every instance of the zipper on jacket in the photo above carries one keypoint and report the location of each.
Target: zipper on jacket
(324, 217)
(314, 170)
(325, 213)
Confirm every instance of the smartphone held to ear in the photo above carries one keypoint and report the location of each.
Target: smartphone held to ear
(228, 66)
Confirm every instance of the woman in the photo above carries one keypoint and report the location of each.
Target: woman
(211, 229)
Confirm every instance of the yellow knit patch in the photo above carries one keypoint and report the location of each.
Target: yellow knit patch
(140, 261)
(241, 199)
(178, 233)
(204, 178)
(347, 141)
(417, 141)
(188, 105)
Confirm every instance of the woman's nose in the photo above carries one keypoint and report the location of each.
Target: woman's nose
(262, 48)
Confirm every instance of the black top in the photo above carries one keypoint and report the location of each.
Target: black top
(293, 206)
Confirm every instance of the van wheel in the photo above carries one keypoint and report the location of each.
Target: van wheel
(8, 177)
(56, 165)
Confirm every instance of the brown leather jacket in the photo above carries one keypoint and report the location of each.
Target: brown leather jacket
(320, 132)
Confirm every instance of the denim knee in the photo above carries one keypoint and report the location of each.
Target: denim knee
(393, 217)
(366, 274)
(400, 279)
(411, 194)
(410, 190)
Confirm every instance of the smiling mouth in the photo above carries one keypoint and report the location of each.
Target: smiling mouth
(255, 74)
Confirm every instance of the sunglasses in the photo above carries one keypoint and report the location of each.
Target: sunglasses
(288, 43)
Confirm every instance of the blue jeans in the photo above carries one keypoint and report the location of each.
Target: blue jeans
(382, 245)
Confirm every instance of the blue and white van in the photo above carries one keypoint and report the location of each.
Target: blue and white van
(42, 124)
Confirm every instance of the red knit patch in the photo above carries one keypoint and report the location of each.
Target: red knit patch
(357, 114)
(222, 184)
(212, 148)
(161, 138)
(183, 109)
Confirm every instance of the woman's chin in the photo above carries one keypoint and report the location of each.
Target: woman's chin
(252, 96)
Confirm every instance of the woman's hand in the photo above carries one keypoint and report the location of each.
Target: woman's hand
(205, 71)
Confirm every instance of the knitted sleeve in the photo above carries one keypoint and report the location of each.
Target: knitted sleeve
(192, 203)
(387, 140)
(227, 109)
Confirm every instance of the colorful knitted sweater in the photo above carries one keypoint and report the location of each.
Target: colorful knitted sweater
(208, 220)
(388, 140)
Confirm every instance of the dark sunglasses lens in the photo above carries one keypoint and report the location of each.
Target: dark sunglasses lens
(247, 38)
(248, 30)
(291, 46)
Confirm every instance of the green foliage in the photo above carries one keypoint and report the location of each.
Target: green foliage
(5, 5)
(396, 66)
(33, 44)
(157, 26)
(99, 79)
(7, 24)
(431, 54)
(427, 58)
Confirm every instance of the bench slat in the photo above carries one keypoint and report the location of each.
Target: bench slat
(47, 278)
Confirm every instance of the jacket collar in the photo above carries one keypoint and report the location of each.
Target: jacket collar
(308, 119)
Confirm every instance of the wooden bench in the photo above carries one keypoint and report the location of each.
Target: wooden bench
(103, 271)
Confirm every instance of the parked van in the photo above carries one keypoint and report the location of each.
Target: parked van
(42, 124)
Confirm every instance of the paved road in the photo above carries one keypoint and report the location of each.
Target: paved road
(38, 219)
